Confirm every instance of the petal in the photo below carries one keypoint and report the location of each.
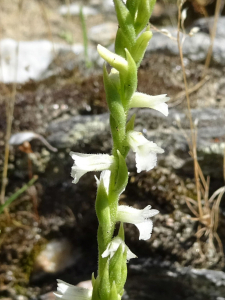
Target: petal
(84, 163)
(145, 229)
(76, 173)
(130, 254)
(135, 139)
(128, 214)
(155, 102)
(116, 61)
(145, 162)
(161, 107)
(147, 212)
(68, 291)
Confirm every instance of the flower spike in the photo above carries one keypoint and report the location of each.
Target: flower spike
(138, 217)
(84, 163)
(146, 151)
(66, 291)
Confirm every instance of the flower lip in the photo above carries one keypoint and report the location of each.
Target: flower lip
(139, 217)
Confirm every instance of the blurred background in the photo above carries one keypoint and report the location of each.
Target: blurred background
(52, 101)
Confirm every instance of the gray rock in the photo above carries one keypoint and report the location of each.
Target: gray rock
(37, 60)
(74, 10)
(54, 258)
(92, 133)
(195, 48)
(177, 282)
(206, 25)
(103, 34)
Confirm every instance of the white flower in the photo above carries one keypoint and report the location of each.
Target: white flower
(146, 151)
(114, 245)
(68, 291)
(139, 217)
(154, 102)
(84, 163)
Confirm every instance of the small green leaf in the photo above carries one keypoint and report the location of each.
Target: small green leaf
(104, 286)
(129, 80)
(122, 175)
(93, 279)
(103, 211)
(138, 50)
(125, 20)
(143, 16)
(130, 123)
(121, 43)
(115, 266)
(123, 273)
(121, 231)
(113, 293)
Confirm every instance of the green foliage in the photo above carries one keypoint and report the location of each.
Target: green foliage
(17, 194)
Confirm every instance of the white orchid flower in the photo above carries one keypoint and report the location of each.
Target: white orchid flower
(66, 291)
(114, 245)
(139, 217)
(145, 150)
(154, 102)
(84, 163)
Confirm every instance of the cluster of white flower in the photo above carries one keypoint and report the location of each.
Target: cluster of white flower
(146, 159)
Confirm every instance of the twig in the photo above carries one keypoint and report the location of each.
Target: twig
(194, 148)
(212, 36)
(190, 91)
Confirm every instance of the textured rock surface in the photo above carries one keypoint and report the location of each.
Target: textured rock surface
(175, 282)
(92, 132)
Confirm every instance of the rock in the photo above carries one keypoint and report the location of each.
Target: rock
(195, 48)
(103, 34)
(206, 25)
(108, 6)
(54, 258)
(47, 296)
(38, 60)
(74, 10)
(92, 133)
(177, 282)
